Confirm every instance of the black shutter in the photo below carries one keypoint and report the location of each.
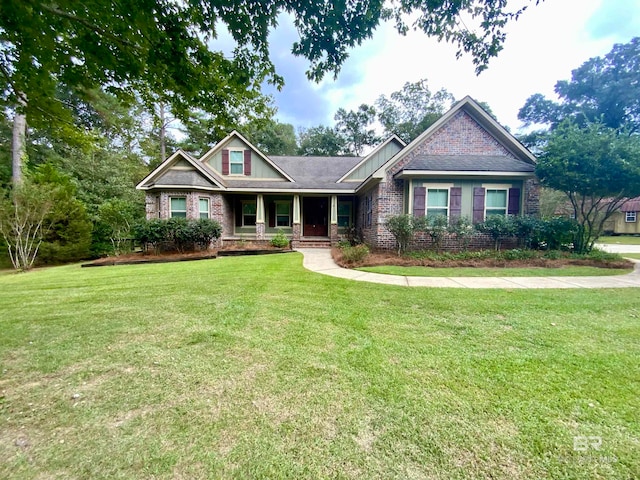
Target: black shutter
(478, 205)
(419, 201)
(514, 201)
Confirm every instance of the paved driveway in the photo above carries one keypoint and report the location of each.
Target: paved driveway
(618, 248)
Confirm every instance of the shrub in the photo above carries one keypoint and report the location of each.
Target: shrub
(436, 227)
(556, 232)
(354, 254)
(403, 228)
(176, 234)
(462, 228)
(280, 240)
(518, 254)
(526, 228)
(498, 227)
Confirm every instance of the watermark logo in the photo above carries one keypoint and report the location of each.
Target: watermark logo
(584, 444)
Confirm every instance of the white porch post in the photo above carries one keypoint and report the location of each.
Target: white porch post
(334, 209)
(296, 209)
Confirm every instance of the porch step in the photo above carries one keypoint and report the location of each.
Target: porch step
(315, 243)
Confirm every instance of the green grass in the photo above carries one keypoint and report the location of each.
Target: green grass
(620, 240)
(416, 271)
(631, 255)
(256, 368)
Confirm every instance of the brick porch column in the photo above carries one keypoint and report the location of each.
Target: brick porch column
(260, 217)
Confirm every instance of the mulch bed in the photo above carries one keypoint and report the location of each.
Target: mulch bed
(377, 258)
(167, 257)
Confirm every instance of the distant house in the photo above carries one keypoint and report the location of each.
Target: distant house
(626, 220)
(464, 164)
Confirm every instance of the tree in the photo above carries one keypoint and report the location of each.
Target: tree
(353, 127)
(410, 111)
(119, 217)
(603, 89)
(272, 137)
(320, 141)
(596, 168)
(159, 49)
(25, 218)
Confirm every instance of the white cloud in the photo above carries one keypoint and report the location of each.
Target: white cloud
(542, 47)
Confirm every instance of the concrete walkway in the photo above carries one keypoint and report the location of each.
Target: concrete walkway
(319, 260)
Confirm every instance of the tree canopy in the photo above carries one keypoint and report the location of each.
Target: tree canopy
(596, 168)
(603, 89)
(410, 111)
(159, 49)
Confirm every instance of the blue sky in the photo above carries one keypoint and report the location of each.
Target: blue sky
(542, 47)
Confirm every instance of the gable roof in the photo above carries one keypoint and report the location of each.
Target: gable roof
(477, 113)
(182, 179)
(222, 143)
(392, 139)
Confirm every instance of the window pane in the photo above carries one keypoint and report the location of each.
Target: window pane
(344, 209)
(248, 208)
(204, 205)
(179, 204)
(236, 162)
(499, 211)
(343, 220)
(437, 211)
(437, 198)
(282, 221)
(282, 208)
(236, 156)
(496, 199)
(236, 169)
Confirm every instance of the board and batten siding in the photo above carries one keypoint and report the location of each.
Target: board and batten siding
(259, 168)
(374, 162)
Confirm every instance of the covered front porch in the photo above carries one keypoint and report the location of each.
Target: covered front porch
(307, 220)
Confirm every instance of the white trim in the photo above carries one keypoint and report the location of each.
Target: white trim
(290, 191)
(166, 165)
(426, 198)
(296, 209)
(200, 212)
(631, 217)
(182, 187)
(259, 208)
(498, 186)
(186, 206)
(241, 151)
(220, 146)
(459, 173)
(333, 210)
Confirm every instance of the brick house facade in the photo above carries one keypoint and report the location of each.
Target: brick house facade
(465, 164)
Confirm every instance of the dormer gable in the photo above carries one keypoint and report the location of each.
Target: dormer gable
(378, 157)
(181, 170)
(235, 158)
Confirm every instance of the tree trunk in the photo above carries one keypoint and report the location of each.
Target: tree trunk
(163, 126)
(18, 142)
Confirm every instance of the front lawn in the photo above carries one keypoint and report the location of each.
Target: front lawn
(253, 367)
(620, 240)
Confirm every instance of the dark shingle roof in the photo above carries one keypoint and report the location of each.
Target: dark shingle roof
(469, 163)
(307, 172)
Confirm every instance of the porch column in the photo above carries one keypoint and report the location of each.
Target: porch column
(333, 223)
(297, 230)
(260, 217)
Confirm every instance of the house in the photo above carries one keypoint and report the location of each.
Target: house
(464, 164)
(626, 220)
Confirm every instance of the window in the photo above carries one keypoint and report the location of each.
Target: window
(438, 201)
(178, 207)
(248, 214)
(495, 202)
(630, 217)
(368, 210)
(344, 214)
(236, 162)
(203, 204)
(283, 214)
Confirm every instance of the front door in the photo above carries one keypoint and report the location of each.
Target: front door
(315, 216)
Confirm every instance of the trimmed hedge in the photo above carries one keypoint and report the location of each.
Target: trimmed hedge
(177, 234)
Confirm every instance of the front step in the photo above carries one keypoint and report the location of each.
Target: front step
(315, 243)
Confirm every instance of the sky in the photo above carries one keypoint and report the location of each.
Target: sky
(543, 46)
